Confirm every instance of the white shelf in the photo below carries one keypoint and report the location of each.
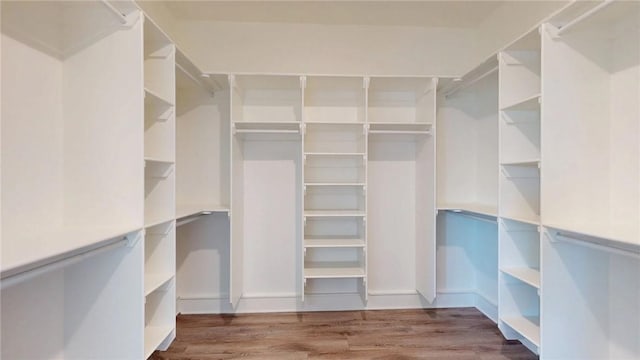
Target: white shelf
(158, 162)
(333, 242)
(153, 337)
(527, 275)
(528, 104)
(156, 222)
(521, 219)
(30, 252)
(400, 128)
(333, 270)
(528, 163)
(481, 209)
(152, 282)
(334, 213)
(328, 154)
(185, 211)
(336, 184)
(153, 98)
(285, 127)
(527, 326)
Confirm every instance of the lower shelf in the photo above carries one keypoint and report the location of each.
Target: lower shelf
(152, 282)
(333, 270)
(527, 326)
(333, 242)
(153, 337)
(526, 275)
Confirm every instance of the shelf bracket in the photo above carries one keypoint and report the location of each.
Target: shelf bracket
(303, 82)
(365, 82)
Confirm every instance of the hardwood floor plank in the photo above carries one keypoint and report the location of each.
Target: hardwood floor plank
(461, 334)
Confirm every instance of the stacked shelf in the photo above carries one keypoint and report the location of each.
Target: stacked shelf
(519, 189)
(334, 173)
(159, 188)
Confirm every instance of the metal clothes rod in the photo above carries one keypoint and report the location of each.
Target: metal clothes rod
(56, 265)
(466, 85)
(121, 17)
(584, 16)
(593, 245)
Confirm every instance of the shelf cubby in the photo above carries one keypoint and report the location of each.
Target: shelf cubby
(160, 322)
(333, 242)
(159, 256)
(520, 191)
(275, 99)
(333, 270)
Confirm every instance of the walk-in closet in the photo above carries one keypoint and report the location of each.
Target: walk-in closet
(315, 180)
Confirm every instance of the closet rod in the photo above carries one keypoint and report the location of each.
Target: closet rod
(466, 85)
(587, 242)
(121, 17)
(19, 277)
(584, 16)
(188, 74)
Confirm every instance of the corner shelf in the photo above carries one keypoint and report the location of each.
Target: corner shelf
(333, 270)
(527, 326)
(530, 103)
(528, 276)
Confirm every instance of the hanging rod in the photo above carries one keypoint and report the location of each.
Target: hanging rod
(591, 242)
(475, 80)
(121, 17)
(19, 277)
(582, 17)
(188, 74)
(474, 217)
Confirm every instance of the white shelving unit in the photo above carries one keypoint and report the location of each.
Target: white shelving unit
(266, 118)
(334, 173)
(519, 190)
(590, 193)
(71, 148)
(159, 188)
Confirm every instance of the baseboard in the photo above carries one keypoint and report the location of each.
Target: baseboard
(254, 303)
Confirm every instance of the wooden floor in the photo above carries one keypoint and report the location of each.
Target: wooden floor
(388, 334)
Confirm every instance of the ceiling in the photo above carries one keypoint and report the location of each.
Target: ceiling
(452, 13)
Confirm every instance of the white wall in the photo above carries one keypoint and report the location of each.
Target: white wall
(325, 49)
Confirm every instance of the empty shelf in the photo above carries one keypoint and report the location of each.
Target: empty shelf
(527, 275)
(266, 127)
(328, 154)
(521, 219)
(482, 209)
(156, 222)
(153, 337)
(531, 163)
(185, 211)
(152, 98)
(333, 270)
(158, 162)
(333, 242)
(400, 128)
(530, 103)
(337, 184)
(34, 251)
(527, 326)
(152, 282)
(334, 213)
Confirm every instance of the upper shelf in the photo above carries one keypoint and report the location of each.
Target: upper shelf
(61, 28)
(531, 103)
(33, 252)
(474, 208)
(400, 128)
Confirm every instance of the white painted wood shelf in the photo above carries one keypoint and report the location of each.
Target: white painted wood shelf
(334, 213)
(153, 337)
(527, 163)
(527, 326)
(152, 98)
(523, 220)
(333, 242)
(153, 282)
(333, 270)
(400, 128)
(284, 127)
(529, 103)
(527, 275)
(475, 208)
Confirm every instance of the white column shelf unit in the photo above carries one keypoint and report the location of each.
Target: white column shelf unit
(519, 190)
(71, 148)
(334, 175)
(590, 192)
(159, 188)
